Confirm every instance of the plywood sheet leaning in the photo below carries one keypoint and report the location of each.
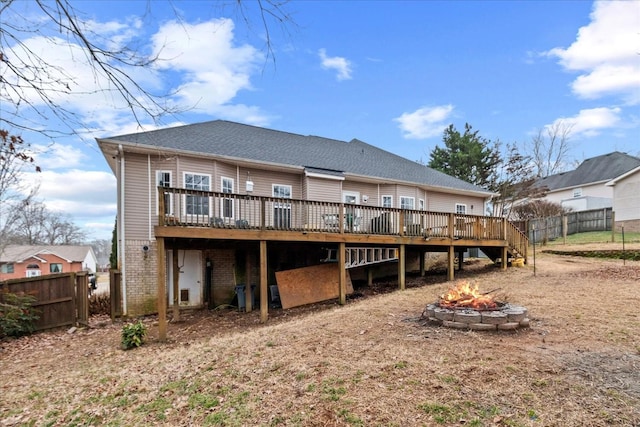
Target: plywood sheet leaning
(307, 285)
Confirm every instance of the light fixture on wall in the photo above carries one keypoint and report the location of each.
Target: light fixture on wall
(365, 198)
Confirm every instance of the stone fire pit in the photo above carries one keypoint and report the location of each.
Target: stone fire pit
(464, 307)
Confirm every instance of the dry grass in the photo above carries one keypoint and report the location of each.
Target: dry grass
(374, 362)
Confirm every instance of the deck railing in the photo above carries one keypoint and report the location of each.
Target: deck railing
(179, 206)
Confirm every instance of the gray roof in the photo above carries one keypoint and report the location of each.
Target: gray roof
(19, 253)
(245, 142)
(596, 169)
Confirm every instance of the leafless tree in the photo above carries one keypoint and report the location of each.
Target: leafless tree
(28, 81)
(14, 156)
(550, 148)
(35, 224)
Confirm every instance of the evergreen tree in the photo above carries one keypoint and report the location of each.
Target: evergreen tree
(468, 156)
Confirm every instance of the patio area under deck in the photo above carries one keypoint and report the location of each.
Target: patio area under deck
(190, 214)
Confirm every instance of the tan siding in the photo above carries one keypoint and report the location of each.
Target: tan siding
(325, 190)
(365, 189)
(137, 197)
(443, 202)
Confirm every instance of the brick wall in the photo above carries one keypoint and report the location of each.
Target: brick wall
(141, 277)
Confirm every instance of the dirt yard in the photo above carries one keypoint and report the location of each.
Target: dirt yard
(373, 362)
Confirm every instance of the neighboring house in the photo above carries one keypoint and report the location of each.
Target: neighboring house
(208, 206)
(586, 188)
(18, 261)
(626, 200)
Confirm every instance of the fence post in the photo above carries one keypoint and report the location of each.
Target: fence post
(613, 226)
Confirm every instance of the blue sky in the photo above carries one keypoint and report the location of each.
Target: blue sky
(392, 74)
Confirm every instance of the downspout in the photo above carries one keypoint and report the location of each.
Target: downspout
(121, 240)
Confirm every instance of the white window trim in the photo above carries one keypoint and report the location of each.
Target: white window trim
(273, 190)
(390, 197)
(233, 189)
(184, 185)
(464, 206)
(355, 194)
(413, 202)
(168, 209)
(577, 192)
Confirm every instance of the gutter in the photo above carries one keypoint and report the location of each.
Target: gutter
(121, 239)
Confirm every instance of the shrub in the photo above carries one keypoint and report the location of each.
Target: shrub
(133, 335)
(17, 316)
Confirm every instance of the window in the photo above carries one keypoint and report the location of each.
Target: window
(407, 202)
(421, 204)
(33, 270)
(6, 268)
(577, 192)
(197, 205)
(282, 211)
(461, 209)
(164, 180)
(227, 203)
(387, 201)
(55, 268)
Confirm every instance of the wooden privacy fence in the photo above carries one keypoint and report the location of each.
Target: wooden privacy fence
(61, 299)
(555, 227)
(115, 293)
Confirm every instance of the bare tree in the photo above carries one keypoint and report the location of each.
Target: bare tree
(34, 224)
(14, 156)
(28, 81)
(550, 148)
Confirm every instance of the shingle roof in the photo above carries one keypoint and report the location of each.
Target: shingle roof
(18, 253)
(240, 141)
(596, 169)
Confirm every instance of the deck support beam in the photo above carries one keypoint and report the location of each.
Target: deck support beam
(401, 267)
(342, 279)
(176, 286)
(503, 261)
(451, 258)
(264, 303)
(248, 292)
(161, 290)
(422, 262)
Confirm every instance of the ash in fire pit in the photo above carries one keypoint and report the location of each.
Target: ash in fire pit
(465, 307)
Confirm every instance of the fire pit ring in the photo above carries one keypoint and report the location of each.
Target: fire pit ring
(506, 317)
(465, 307)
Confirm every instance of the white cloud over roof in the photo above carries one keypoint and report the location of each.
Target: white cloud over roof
(425, 122)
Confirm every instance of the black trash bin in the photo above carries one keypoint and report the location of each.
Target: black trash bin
(240, 294)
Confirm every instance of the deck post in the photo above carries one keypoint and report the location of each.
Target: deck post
(401, 268)
(342, 271)
(264, 306)
(422, 261)
(503, 263)
(451, 259)
(369, 276)
(248, 292)
(161, 291)
(176, 286)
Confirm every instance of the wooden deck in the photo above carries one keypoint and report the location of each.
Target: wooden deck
(211, 215)
(191, 214)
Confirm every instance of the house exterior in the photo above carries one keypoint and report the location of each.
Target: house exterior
(626, 200)
(206, 207)
(18, 261)
(586, 187)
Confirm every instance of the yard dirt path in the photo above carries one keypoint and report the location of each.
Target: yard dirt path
(373, 362)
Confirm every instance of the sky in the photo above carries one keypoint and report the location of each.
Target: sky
(393, 74)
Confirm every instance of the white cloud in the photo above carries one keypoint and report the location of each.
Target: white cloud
(337, 63)
(425, 122)
(213, 69)
(590, 122)
(58, 156)
(606, 53)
